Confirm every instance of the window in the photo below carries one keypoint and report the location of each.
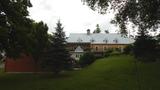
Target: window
(79, 40)
(105, 48)
(96, 48)
(92, 40)
(115, 40)
(105, 40)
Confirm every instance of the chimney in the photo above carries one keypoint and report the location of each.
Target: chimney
(88, 31)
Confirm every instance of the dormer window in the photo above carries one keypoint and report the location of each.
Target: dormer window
(105, 40)
(79, 40)
(92, 40)
(115, 40)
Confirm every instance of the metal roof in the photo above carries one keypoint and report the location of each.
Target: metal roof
(99, 38)
(78, 49)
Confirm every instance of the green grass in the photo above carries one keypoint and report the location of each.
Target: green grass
(113, 73)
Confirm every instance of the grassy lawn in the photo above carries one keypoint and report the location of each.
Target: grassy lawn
(113, 73)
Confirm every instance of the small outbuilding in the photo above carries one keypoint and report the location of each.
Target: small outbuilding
(24, 63)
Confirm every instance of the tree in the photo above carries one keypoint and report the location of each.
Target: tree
(19, 34)
(138, 12)
(37, 42)
(98, 30)
(86, 59)
(106, 31)
(14, 26)
(1, 57)
(145, 47)
(158, 47)
(57, 57)
(128, 49)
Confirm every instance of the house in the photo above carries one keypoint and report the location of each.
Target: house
(77, 44)
(97, 43)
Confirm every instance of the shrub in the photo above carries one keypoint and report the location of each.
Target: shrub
(115, 53)
(86, 59)
(111, 52)
(117, 49)
(128, 49)
(108, 52)
(145, 49)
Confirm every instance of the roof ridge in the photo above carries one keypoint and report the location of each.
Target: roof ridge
(97, 33)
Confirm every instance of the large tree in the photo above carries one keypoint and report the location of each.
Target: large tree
(37, 42)
(57, 57)
(145, 47)
(14, 26)
(142, 13)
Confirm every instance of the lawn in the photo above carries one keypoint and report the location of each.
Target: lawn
(113, 73)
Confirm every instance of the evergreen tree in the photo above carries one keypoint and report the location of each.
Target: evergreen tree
(57, 57)
(145, 46)
(98, 30)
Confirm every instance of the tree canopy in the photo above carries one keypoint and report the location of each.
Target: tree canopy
(39, 40)
(14, 26)
(20, 34)
(145, 47)
(142, 13)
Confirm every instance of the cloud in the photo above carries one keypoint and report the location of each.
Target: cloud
(75, 17)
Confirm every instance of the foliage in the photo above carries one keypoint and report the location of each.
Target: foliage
(142, 13)
(38, 40)
(1, 57)
(57, 58)
(14, 26)
(106, 31)
(145, 47)
(128, 49)
(112, 52)
(98, 30)
(158, 47)
(86, 59)
(18, 33)
(108, 52)
(116, 52)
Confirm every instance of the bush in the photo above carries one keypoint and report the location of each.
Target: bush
(86, 59)
(108, 52)
(128, 49)
(117, 50)
(145, 49)
(111, 52)
(75, 63)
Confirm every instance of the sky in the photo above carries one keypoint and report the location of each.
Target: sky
(74, 15)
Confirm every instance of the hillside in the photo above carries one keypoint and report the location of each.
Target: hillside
(113, 73)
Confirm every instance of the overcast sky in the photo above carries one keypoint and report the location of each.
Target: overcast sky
(75, 17)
